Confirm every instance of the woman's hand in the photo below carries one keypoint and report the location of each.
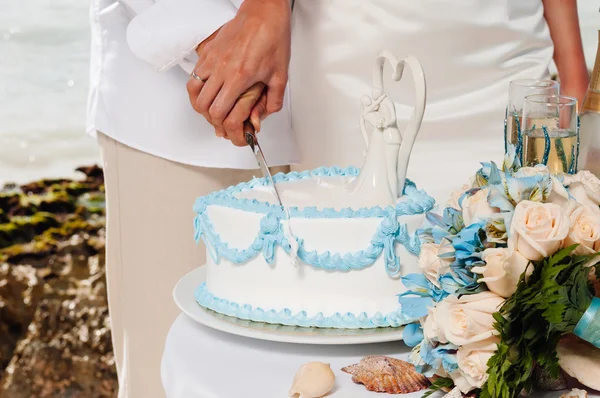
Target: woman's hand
(253, 47)
(563, 23)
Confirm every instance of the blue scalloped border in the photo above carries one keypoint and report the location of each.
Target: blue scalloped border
(270, 234)
(285, 317)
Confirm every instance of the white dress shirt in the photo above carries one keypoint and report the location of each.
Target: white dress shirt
(470, 50)
(138, 94)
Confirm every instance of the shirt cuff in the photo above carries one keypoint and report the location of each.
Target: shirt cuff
(169, 31)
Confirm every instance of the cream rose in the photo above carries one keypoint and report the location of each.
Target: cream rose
(476, 207)
(430, 327)
(589, 184)
(538, 229)
(455, 196)
(472, 362)
(532, 171)
(431, 264)
(464, 320)
(585, 230)
(502, 271)
(429, 261)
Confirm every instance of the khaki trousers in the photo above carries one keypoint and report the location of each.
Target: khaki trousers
(150, 246)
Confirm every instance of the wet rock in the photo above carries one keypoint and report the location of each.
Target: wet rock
(22, 229)
(66, 353)
(41, 186)
(19, 294)
(54, 329)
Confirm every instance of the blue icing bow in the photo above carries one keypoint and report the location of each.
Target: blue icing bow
(389, 230)
(271, 234)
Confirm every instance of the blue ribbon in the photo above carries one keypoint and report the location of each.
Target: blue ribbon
(588, 327)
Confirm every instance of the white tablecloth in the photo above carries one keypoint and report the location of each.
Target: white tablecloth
(199, 362)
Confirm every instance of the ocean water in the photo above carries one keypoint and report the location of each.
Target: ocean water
(44, 61)
(44, 51)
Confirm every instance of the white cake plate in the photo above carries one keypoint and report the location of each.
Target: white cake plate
(183, 294)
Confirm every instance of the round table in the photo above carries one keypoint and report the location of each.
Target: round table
(200, 362)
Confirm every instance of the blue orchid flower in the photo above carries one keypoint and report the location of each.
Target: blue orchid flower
(488, 174)
(420, 296)
(467, 243)
(511, 161)
(437, 356)
(450, 283)
(498, 198)
(536, 188)
(412, 334)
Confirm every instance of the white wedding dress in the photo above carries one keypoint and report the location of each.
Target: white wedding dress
(470, 51)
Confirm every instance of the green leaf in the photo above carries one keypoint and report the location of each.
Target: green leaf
(531, 322)
(438, 384)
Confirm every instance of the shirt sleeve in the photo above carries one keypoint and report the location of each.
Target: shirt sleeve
(167, 33)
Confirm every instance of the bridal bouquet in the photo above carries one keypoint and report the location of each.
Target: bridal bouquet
(507, 271)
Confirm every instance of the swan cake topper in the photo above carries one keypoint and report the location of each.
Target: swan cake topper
(383, 173)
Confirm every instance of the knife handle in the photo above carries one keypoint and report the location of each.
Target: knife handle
(250, 133)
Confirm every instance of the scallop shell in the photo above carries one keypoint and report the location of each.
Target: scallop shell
(580, 360)
(384, 374)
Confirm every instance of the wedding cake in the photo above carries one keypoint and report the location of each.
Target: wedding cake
(333, 255)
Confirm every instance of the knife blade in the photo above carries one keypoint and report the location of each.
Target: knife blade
(250, 136)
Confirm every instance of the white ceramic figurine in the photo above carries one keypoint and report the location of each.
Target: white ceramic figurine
(383, 172)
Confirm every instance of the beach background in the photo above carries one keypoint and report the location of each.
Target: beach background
(44, 60)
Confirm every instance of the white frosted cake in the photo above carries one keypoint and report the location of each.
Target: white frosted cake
(348, 262)
(355, 232)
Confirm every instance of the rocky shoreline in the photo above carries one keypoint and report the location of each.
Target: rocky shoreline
(55, 338)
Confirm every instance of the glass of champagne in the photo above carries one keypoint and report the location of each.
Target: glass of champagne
(517, 91)
(551, 132)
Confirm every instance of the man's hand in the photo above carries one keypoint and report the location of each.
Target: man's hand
(253, 47)
(250, 105)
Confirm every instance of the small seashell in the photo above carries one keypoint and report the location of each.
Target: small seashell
(384, 374)
(575, 393)
(580, 360)
(312, 380)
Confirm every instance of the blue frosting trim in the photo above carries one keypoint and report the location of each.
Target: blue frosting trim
(271, 234)
(286, 317)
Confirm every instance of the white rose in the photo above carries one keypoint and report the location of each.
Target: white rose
(455, 196)
(429, 261)
(502, 271)
(538, 229)
(431, 264)
(585, 230)
(467, 319)
(476, 207)
(585, 188)
(532, 171)
(590, 183)
(472, 362)
(430, 327)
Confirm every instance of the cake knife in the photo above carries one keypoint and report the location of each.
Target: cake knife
(250, 136)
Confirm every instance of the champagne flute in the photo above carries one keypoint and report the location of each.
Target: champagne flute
(551, 132)
(517, 91)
